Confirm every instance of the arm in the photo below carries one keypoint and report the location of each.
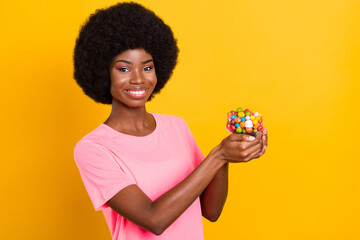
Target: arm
(156, 216)
(214, 196)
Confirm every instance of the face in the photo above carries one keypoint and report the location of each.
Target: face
(133, 78)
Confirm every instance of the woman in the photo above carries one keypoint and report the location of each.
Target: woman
(145, 170)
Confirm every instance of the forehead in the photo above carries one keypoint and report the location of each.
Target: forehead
(133, 55)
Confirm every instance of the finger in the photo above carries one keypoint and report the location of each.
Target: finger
(236, 150)
(263, 150)
(245, 145)
(253, 149)
(242, 137)
(260, 134)
(253, 155)
(264, 141)
(264, 137)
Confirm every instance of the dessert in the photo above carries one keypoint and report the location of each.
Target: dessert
(244, 121)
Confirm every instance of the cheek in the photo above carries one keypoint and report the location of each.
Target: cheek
(115, 85)
(154, 80)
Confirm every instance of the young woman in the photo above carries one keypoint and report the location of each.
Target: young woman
(145, 170)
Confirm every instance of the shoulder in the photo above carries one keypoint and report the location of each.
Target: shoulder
(169, 119)
(173, 124)
(92, 143)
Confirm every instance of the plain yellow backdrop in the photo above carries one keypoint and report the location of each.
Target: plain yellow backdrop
(296, 62)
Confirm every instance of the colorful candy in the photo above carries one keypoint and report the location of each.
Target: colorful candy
(244, 121)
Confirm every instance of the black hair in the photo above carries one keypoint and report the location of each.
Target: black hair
(111, 31)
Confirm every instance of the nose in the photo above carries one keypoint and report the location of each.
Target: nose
(137, 77)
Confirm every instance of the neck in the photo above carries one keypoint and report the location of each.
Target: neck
(130, 120)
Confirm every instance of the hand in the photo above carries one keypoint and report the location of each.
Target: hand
(242, 147)
(264, 141)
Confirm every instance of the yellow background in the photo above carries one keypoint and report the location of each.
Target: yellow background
(296, 62)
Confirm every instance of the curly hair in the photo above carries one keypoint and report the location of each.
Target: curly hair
(111, 31)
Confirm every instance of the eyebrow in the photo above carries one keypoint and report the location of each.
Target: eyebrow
(128, 62)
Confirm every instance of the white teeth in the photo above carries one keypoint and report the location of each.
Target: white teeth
(138, 93)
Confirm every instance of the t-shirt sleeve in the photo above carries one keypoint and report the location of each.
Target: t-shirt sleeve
(101, 174)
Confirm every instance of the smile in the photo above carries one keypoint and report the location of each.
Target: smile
(136, 93)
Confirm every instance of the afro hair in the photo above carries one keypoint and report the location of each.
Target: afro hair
(111, 31)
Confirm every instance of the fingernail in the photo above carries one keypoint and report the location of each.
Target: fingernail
(251, 138)
(265, 131)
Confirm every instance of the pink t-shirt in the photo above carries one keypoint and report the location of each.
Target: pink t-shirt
(109, 161)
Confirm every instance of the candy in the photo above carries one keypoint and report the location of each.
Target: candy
(248, 129)
(244, 121)
(249, 124)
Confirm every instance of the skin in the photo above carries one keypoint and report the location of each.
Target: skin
(134, 70)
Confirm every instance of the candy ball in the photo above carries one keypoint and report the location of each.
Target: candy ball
(249, 129)
(244, 121)
(249, 124)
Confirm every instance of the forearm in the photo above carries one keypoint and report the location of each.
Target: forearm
(133, 204)
(214, 196)
(166, 209)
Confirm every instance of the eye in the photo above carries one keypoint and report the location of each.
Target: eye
(123, 69)
(147, 68)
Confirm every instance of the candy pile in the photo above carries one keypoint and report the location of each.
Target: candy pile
(244, 121)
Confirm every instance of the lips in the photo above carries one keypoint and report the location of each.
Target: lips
(136, 92)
